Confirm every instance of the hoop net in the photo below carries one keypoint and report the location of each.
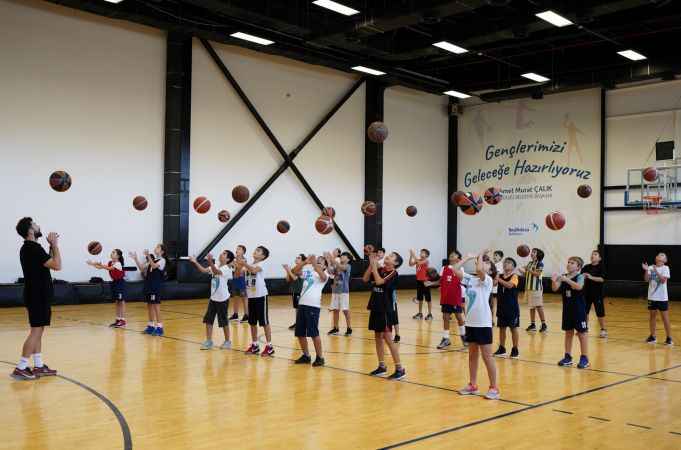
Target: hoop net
(652, 204)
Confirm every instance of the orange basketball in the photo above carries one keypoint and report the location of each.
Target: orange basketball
(139, 203)
(223, 216)
(240, 194)
(324, 224)
(94, 248)
(584, 191)
(368, 208)
(458, 198)
(650, 174)
(492, 196)
(471, 204)
(555, 221)
(377, 132)
(329, 212)
(283, 226)
(201, 205)
(60, 181)
(411, 210)
(523, 251)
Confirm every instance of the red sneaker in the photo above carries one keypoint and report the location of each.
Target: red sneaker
(44, 371)
(268, 351)
(253, 349)
(23, 374)
(115, 324)
(122, 323)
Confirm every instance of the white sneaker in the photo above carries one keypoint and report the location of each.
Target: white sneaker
(207, 345)
(603, 334)
(469, 390)
(492, 394)
(226, 345)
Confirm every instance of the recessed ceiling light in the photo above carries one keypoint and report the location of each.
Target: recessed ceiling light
(450, 47)
(251, 38)
(457, 94)
(535, 77)
(336, 7)
(554, 19)
(368, 70)
(113, 1)
(632, 55)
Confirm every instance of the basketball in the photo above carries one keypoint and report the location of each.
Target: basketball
(492, 196)
(324, 225)
(283, 226)
(471, 204)
(329, 212)
(223, 216)
(377, 132)
(240, 194)
(555, 221)
(94, 248)
(458, 198)
(584, 191)
(432, 274)
(368, 249)
(649, 174)
(523, 251)
(368, 208)
(201, 205)
(139, 203)
(60, 181)
(411, 211)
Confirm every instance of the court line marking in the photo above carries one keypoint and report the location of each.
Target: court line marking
(674, 432)
(639, 426)
(561, 411)
(125, 429)
(602, 419)
(521, 410)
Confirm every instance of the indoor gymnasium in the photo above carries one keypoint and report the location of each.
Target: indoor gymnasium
(352, 224)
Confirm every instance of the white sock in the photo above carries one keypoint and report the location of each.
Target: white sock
(462, 330)
(159, 325)
(445, 334)
(23, 363)
(38, 359)
(150, 323)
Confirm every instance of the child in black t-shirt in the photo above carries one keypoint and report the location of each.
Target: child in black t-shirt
(571, 287)
(594, 277)
(382, 307)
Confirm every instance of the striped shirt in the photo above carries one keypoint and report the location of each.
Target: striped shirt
(533, 282)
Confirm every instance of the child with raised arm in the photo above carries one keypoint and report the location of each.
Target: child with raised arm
(115, 270)
(571, 287)
(422, 291)
(313, 273)
(658, 299)
(508, 310)
(340, 269)
(451, 300)
(295, 283)
(152, 269)
(534, 289)
(258, 311)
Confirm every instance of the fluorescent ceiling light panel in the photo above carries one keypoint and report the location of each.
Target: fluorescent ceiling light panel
(251, 38)
(336, 7)
(368, 70)
(113, 1)
(444, 45)
(535, 77)
(632, 55)
(457, 94)
(554, 19)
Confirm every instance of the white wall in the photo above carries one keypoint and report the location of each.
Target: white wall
(86, 95)
(415, 173)
(229, 148)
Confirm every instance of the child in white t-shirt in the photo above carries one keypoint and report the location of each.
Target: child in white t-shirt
(313, 273)
(256, 290)
(658, 299)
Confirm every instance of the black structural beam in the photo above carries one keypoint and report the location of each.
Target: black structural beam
(601, 201)
(452, 175)
(287, 157)
(176, 149)
(373, 164)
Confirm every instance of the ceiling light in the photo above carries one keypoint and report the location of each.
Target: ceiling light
(336, 7)
(450, 47)
(113, 1)
(251, 38)
(368, 70)
(457, 94)
(535, 77)
(554, 19)
(632, 55)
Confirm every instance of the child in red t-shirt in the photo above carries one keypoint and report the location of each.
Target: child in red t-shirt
(115, 269)
(422, 289)
(451, 300)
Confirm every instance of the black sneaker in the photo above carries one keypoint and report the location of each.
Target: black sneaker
(544, 328)
(292, 327)
(651, 339)
(396, 339)
(318, 362)
(514, 353)
(532, 327)
(501, 351)
(244, 319)
(333, 332)
(429, 317)
(348, 332)
(304, 359)
(417, 316)
(668, 341)
(233, 317)
(398, 374)
(380, 370)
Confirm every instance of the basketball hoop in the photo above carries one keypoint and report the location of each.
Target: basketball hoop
(652, 204)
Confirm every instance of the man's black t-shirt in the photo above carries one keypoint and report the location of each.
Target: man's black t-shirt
(593, 289)
(38, 287)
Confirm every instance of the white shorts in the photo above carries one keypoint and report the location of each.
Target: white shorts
(340, 301)
(535, 298)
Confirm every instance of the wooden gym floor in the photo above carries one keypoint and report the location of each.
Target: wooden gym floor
(119, 388)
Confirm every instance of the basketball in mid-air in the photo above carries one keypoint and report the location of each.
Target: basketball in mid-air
(555, 220)
(223, 216)
(492, 196)
(329, 212)
(94, 248)
(139, 203)
(60, 181)
(650, 174)
(411, 210)
(471, 204)
(368, 208)
(377, 132)
(201, 205)
(283, 226)
(584, 191)
(523, 251)
(324, 224)
(240, 194)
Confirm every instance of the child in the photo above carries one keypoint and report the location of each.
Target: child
(295, 283)
(381, 305)
(478, 324)
(593, 289)
(534, 289)
(219, 297)
(313, 273)
(115, 269)
(571, 286)
(256, 289)
(450, 300)
(239, 285)
(658, 300)
(340, 291)
(422, 291)
(152, 270)
(508, 310)
(496, 259)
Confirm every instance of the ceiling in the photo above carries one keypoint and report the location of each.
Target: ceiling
(504, 38)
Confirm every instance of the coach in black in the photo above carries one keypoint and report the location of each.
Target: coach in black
(38, 294)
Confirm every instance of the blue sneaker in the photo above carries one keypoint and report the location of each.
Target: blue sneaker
(158, 332)
(566, 361)
(583, 362)
(149, 330)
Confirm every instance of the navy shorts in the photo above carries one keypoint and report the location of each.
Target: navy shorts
(479, 335)
(380, 322)
(152, 298)
(508, 320)
(307, 321)
(118, 290)
(574, 318)
(452, 309)
(654, 305)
